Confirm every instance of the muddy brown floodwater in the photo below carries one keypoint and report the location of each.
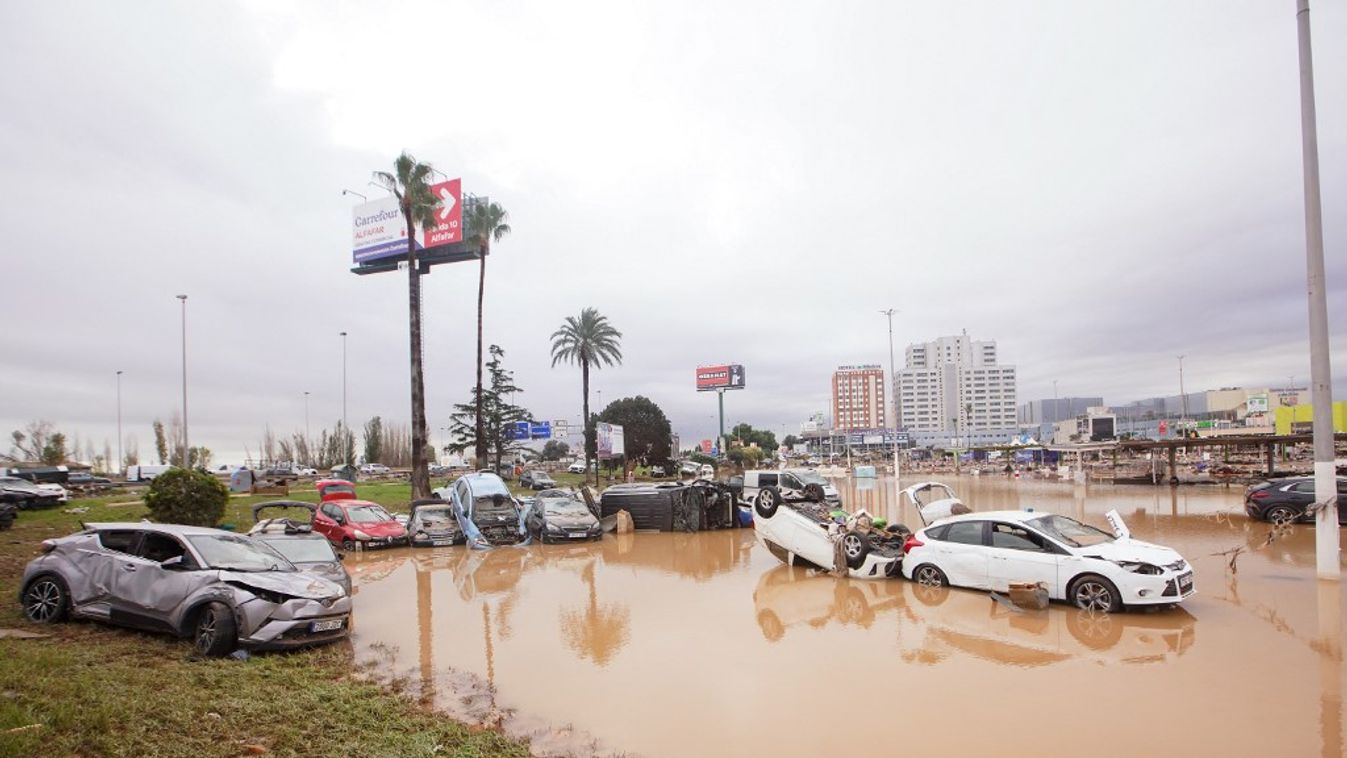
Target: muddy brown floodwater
(704, 644)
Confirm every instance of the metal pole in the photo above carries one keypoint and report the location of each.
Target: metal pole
(306, 424)
(186, 462)
(1321, 383)
(893, 388)
(120, 458)
(720, 442)
(345, 427)
(1183, 398)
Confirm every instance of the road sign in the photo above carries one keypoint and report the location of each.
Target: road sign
(540, 430)
(448, 217)
(520, 430)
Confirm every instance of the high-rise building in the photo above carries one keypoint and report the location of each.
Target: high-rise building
(858, 398)
(954, 387)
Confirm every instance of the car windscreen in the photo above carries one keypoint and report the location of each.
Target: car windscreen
(810, 477)
(1070, 531)
(367, 514)
(303, 549)
(236, 553)
(337, 489)
(434, 515)
(566, 507)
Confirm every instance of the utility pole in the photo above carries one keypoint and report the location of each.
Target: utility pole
(120, 458)
(306, 426)
(345, 427)
(186, 461)
(1321, 383)
(1183, 399)
(893, 389)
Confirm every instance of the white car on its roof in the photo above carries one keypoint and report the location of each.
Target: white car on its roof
(1085, 566)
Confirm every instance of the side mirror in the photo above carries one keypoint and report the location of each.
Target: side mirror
(175, 563)
(341, 556)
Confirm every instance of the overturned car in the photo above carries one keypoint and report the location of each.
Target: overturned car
(693, 506)
(485, 510)
(808, 532)
(222, 590)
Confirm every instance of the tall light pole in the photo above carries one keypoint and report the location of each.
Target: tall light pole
(345, 427)
(306, 424)
(186, 462)
(120, 459)
(893, 389)
(1183, 398)
(1321, 381)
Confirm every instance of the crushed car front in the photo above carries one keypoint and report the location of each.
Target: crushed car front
(1145, 573)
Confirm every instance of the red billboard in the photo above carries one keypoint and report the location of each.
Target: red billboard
(726, 377)
(448, 217)
(706, 446)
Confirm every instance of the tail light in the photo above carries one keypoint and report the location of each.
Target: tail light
(1258, 494)
(911, 542)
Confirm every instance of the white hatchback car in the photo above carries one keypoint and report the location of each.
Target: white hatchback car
(1085, 566)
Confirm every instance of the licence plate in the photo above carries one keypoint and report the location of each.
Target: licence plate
(577, 535)
(1185, 583)
(326, 626)
(441, 543)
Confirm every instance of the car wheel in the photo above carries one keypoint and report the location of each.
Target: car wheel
(856, 546)
(1095, 594)
(348, 545)
(215, 634)
(1281, 514)
(46, 601)
(769, 499)
(813, 493)
(930, 576)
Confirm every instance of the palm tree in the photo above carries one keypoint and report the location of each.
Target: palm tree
(487, 223)
(408, 182)
(589, 341)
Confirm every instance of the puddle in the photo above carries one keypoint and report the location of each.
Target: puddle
(678, 644)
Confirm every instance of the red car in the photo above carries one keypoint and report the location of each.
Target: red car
(335, 489)
(347, 522)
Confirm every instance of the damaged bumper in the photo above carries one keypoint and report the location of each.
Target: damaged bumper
(293, 623)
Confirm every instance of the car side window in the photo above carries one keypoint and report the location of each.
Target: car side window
(938, 533)
(1305, 487)
(160, 547)
(1014, 537)
(965, 532)
(790, 482)
(121, 540)
(766, 480)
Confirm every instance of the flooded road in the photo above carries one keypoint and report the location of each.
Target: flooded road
(704, 644)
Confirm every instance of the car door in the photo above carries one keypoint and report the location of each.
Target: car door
(150, 593)
(99, 561)
(964, 555)
(325, 522)
(1018, 554)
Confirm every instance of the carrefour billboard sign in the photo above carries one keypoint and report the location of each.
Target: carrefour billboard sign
(378, 230)
(726, 377)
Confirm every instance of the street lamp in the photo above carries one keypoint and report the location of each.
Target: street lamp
(306, 423)
(119, 423)
(893, 389)
(186, 462)
(345, 427)
(1183, 397)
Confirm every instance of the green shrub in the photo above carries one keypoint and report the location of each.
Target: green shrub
(186, 496)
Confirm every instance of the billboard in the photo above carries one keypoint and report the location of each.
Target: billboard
(610, 442)
(726, 377)
(378, 231)
(1258, 403)
(706, 446)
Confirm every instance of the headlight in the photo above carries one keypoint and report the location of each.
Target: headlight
(554, 529)
(1139, 567)
(421, 534)
(359, 534)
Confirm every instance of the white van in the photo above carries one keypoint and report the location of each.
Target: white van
(144, 473)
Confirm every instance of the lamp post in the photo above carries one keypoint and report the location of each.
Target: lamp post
(345, 427)
(306, 424)
(893, 388)
(120, 459)
(1183, 397)
(186, 462)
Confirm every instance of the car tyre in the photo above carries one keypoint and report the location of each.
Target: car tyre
(46, 600)
(348, 545)
(1281, 514)
(813, 492)
(768, 500)
(215, 634)
(1094, 593)
(856, 546)
(929, 576)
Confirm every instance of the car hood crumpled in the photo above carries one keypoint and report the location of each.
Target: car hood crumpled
(296, 584)
(1132, 550)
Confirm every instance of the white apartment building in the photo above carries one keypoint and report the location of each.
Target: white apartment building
(954, 387)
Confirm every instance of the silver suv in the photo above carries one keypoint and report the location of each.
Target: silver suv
(221, 589)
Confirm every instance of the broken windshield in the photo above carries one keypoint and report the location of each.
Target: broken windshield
(227, 551)
(1070, 531)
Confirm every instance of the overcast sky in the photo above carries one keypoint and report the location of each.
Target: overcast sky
(1099, 187)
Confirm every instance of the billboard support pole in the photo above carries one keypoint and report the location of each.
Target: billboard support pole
(720, 397)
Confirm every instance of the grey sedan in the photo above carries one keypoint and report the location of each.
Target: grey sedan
(221, 589)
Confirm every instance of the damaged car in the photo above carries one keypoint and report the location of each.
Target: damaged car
(808, 532)
(432, 524)
(558, 515)
(1077, 563)
(695, 506)
(222, 590)
(295, 539)
(485, 510)
(352, 523)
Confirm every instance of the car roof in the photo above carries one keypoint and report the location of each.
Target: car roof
(180, 530)
(1017, 516)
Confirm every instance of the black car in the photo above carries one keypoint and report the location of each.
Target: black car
(25, 494)
(85, 479)
(1282, 501)
(537, 480)
(559, 516)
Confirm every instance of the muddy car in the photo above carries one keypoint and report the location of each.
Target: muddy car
(557, 515)
(295, 539)
(222, 590)
(808, 532)
(352, 523)
(486, 511)
(432, 524)
(334, 489)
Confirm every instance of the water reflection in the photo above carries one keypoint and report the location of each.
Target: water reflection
(597, 631)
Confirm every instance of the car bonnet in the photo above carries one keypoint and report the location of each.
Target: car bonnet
(294, 583)
(1131, 550)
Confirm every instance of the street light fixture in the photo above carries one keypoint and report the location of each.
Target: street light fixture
(186, 462)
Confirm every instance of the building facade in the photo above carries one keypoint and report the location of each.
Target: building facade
(858, 398)
(954, 391)
(1052, 410)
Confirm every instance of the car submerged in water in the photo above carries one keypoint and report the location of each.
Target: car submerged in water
(485, 510)
(432, 524)
(220, 589)
(556, 515)
(809, 532)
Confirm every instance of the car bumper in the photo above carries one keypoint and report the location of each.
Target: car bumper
(294, 623)
(553, 538)
(1160, 589)
(438, 540)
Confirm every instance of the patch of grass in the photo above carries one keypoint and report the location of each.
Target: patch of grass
(99, 690)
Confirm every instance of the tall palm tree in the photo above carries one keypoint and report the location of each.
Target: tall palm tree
(487, 223)
(409, 183)
(589, 341)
